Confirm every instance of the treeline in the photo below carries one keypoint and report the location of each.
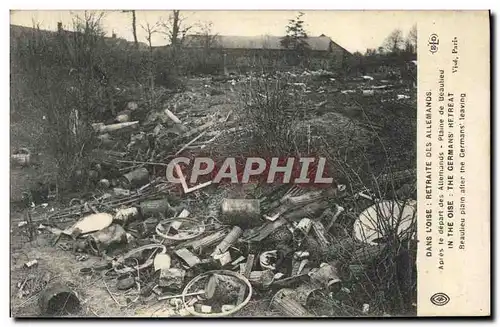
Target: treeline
(393, 57)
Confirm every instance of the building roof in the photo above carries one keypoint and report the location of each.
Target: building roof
(316, 43)
(19, 32)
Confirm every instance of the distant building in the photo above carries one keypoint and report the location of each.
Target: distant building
(23, 33)
(252, 50)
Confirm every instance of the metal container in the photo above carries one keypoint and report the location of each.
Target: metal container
(327, 276)
(241, 212)
(152, 207)
(261, 278)
(135, 178)
(284, 300)
(58, 299)
(305, 292)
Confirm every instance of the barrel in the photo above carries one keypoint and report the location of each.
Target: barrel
(241, 212)
(135, 178)
(152, 207)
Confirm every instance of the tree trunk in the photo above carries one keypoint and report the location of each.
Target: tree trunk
(175, 28)
(134, 28)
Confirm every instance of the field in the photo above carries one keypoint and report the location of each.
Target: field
(364, 126)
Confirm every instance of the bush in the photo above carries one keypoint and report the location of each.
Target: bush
(60, 88)
(272, 111)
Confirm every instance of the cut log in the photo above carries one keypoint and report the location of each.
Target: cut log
(248, 265)
(247, 269)
(265, 230)
(310, 209)
(208, 240)
(187, 257)
(101, 128)
(229, 240)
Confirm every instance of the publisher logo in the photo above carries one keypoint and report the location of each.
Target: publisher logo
(433, 43)
(440, 299)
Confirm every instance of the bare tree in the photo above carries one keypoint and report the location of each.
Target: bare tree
(134, 26)
(411, 40)
(370, 52)
(208, 37)
(176, 28)
(394, 42)
(150, 30)
(85, 43)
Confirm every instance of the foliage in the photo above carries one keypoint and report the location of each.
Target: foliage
(296, 39)
(394, 42)
(272, 110)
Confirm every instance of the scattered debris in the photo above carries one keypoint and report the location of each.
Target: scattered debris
(91, 223)
(172, 278)
(284, 301)
(106, 238)
(102, 129)
(230, 238)
(21, 157)
(121, 267)
(271, 242)
(126, 215)
(187, 257)
(31, 264)
(221, 285)
(261, 279)
(162, 261)
(327, 277)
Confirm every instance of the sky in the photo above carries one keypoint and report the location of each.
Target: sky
(353, 30)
